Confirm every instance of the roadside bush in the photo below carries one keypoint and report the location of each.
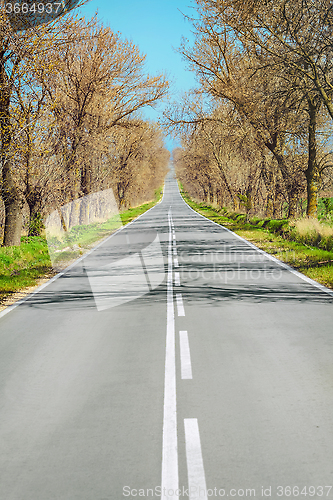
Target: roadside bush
(278, 226)
(36, 225)
(328, 207)
(312, 232)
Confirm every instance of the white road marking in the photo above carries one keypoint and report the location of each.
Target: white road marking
(174, 236)
(195, 469)
(177, 279)
(176, 263)
(170, 480)
(180, 305)
(185, 356)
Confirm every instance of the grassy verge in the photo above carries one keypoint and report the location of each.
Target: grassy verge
(23, 267)
(317, 263)
(133, 213)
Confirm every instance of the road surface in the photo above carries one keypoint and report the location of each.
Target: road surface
(175, 359)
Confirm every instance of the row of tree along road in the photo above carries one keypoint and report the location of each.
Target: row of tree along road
(257, 130)
(71, 91)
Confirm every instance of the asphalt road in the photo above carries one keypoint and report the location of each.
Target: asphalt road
(173, 357)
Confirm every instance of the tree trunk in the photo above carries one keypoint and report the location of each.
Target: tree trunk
(269, 208)
(13, 201)
(312, 173)
(11, 195)
(74, 216)
(205, 193)
(35, 224)
(13, 222)
(220, 199)
(86, 178)
(34, 201)
(84, 211)
(276, 147)
(291, 186)
(228, 187)
(292, 202)
(121, 195)
(213, 195)
(268, 179)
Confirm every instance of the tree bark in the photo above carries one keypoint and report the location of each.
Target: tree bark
(12, 198)
(33, 198)
(268, 178)
(86, 188)
(292, 202)
(84, 211)
(312, 173)
(13, 223)
(290, 184)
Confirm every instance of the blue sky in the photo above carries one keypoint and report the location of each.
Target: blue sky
(156, 27)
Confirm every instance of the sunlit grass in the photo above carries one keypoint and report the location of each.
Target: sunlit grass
(323, 275)
(21, 266)
(313, 232)
(313, 261)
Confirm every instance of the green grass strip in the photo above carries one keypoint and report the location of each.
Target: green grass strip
(314, 262)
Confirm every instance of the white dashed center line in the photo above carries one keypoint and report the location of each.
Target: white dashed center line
(180, 305)
(185, 356)
(170, 480)
(195, 468)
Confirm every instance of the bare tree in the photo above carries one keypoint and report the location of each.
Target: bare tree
(100, 83)
(294, 39)
(65, 87)
(20, 54)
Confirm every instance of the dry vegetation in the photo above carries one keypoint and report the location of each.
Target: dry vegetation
(256, 133)
(71, 92)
